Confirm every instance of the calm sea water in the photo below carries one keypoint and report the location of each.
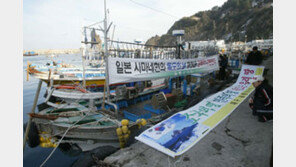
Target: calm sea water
(35, 156)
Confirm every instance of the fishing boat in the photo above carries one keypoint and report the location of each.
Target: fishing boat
(81, 124)
(67, 74)
(30, 53)
(90, 73)
(86, 123)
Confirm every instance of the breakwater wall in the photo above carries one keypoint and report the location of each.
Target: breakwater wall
(53, 51)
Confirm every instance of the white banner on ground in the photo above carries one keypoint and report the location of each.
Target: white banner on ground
(132, 70)
(183, 130)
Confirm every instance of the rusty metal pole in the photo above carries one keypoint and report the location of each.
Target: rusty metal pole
(32, 111)
(28, 66)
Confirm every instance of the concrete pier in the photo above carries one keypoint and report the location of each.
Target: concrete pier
(240, 140)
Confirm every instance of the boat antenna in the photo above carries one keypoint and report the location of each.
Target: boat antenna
(83, 56)
(106, 53)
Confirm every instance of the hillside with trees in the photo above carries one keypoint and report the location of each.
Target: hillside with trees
(235, 20)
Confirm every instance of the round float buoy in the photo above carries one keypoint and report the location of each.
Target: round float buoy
(124, 129)
(143, 122)
(124, 122)
(119, 131)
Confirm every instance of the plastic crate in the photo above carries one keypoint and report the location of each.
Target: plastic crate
(149, 107)
(122, 104)
(134, 117)
(146, 97)
(165, 91)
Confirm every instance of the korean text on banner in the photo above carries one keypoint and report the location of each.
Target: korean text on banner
(131, 70)
(183, 130)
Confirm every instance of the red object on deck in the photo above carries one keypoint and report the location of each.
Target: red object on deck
(71, 87)
(169, 95)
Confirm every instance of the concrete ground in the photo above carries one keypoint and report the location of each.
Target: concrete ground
(240, 140)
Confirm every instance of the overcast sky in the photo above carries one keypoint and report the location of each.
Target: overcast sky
(56, 24)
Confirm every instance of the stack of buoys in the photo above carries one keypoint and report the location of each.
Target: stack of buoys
(141, 122)
(45, 141)
(123, 133)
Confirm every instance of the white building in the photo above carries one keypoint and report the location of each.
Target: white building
(261, 44)
(201, 45)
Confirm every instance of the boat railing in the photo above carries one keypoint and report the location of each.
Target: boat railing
(136, 50)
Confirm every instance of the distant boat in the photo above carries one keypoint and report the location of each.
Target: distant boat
(67, 74)
(30, 53)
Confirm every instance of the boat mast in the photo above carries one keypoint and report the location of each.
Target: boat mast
(83, 55)
(106, 53)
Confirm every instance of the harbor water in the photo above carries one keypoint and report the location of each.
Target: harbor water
(35, 156)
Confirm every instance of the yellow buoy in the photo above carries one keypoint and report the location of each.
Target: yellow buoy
(119, 131)
(124, 129)
(124, 122)
(120, 137)
(122, 140)
(121, 144)
(126, 136)
(42, 139)
(46, 145)
(42, 144)
(143, 122)
(138, 123)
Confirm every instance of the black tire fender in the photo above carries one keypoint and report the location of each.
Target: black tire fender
(33, 137)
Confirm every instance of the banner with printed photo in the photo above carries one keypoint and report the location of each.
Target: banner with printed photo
(183, 130)
(132, 70)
